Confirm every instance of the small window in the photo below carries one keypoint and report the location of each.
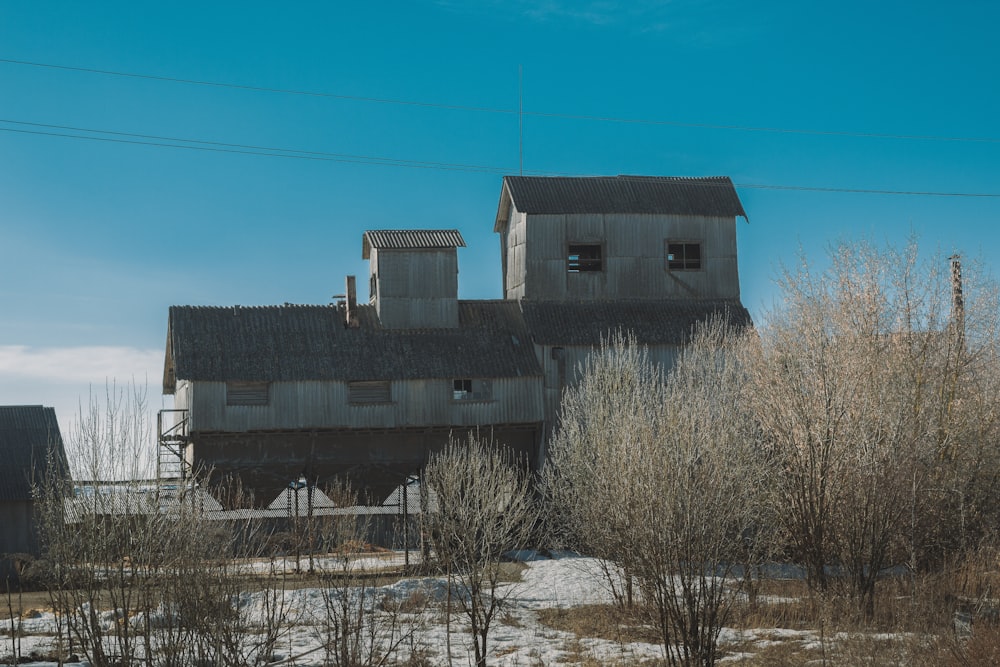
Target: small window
(583, 257)
(372, 288)
(247, 393)
(369, 392)
(467, 389)
(683, 256)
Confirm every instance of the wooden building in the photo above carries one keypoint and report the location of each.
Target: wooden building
(349, 390)
(367, 391)
(648, 256)
(30, 447)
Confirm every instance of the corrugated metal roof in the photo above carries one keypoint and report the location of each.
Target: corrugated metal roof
(410, 238)
(586, 323)
(292, 343)
(28, 435)
(710, 196)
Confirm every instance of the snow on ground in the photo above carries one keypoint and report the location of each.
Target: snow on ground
(517, 638)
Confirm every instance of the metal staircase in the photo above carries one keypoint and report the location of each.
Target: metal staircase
(173, 471)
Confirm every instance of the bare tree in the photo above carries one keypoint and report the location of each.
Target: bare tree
(665, 477)
(360, 626)
(94, 542)
(136, 582)
(484, 507)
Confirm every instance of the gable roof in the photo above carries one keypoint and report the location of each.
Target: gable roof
(29, 435)
(652, 322)
(400, 239)
(293, 343)
(713, 196)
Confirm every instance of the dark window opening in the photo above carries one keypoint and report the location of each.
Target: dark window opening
(683, 256)
(372, 288)
(584, 257)
(247, 393)
(466, 389)
(369, 392)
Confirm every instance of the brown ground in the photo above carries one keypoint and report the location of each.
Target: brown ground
(23, 602)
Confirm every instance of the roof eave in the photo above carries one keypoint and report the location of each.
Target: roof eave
(503, 207)
(169, 368)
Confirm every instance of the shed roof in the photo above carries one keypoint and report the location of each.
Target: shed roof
(400, 239)
(29, 435)
(709, 196)
(659, 322)
(293, 343)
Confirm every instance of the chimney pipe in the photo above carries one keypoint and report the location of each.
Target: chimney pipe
(352, 303)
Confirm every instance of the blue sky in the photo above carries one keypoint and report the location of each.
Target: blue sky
(99, 238)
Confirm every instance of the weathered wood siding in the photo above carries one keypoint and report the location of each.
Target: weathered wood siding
(416, 288)
(633, 256)
(515, 255)
(323, 405)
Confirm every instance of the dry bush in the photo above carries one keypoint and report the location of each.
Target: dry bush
(666, 479)
(359, 625)
(483, 507)
(133, 582)
(873, 383)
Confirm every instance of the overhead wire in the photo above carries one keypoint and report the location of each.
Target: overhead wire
(260, 89)
(160, 141)
(244, 149)
(511, 111)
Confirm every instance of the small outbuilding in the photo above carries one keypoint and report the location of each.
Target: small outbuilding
(31, 448)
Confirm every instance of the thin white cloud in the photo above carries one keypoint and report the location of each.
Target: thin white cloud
(94, 364)
(698, 23)
(594, 12)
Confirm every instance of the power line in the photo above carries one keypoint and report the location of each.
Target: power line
(751, 128)
(245, 149)
(260, 89)
(519, 112)
(159, 141)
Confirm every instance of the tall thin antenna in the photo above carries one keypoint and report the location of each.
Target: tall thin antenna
(520, 117)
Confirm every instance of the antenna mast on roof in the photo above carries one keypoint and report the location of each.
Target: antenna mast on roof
(520, 118)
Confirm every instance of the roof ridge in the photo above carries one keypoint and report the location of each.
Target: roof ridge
(702, 196)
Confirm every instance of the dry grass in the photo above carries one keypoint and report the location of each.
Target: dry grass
(982, 649)
(610, 622)
(771, 653)
(913, 625)
(512, 573)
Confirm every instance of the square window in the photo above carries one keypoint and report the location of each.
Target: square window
(683, 256)
(584, 257)
(462, 390)
(467, 389)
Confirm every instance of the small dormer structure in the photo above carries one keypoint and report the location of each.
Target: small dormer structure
(618, 237)
(413, 277)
